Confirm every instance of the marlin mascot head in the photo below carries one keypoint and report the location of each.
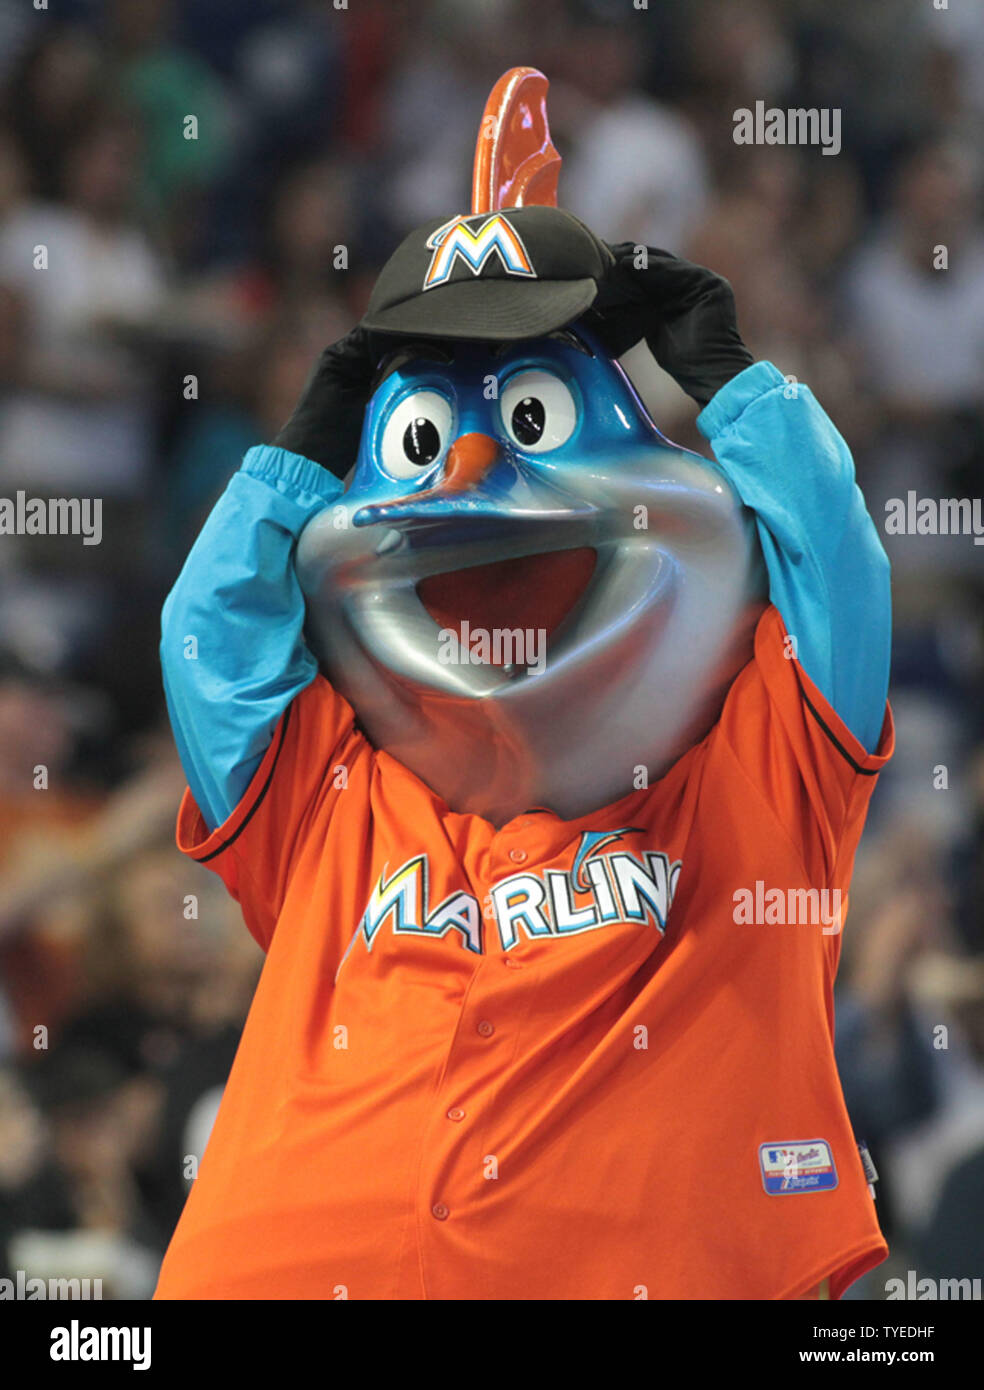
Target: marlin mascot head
(527, 594)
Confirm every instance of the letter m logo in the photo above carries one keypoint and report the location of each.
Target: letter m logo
(456, 238)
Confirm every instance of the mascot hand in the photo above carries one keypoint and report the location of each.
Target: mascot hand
(685, 312)
(327, 421)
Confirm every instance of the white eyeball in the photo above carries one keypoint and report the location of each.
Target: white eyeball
(538, 411)
(416, 434)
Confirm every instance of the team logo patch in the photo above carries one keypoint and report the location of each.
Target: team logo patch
(457, 239)
(805, 1165)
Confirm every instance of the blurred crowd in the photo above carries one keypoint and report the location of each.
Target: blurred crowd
(192, 169)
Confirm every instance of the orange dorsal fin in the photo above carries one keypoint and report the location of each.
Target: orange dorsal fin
(515, 161)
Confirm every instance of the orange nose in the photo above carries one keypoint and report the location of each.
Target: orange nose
(469, 459)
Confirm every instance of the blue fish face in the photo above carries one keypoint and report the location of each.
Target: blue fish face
(522, 494)
(555, 408)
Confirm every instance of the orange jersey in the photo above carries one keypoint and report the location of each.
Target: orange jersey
(587, 1059)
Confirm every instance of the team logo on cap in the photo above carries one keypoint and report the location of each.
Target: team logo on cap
(456, 238)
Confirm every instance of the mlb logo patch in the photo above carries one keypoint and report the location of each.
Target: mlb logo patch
(800, 1165)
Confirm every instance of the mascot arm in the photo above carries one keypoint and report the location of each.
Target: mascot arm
(828, 573)
(232, 650)
(233, 654)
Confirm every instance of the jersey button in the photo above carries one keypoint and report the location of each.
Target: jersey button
(440, 1211)
(485, 1028)
(518, 856)
(456, 1113)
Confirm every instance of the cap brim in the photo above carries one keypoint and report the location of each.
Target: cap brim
(492, 310)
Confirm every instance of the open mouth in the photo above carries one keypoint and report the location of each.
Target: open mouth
(531, 591)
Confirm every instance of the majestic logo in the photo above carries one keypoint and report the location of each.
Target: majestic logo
(797, 1166)
(597, 891)
(456, 238)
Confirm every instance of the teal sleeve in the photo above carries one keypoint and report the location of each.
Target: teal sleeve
(233, 654)
(828, 574)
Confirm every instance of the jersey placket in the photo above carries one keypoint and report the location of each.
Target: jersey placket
(459, 1148)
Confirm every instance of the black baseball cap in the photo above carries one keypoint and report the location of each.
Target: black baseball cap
(498, 276)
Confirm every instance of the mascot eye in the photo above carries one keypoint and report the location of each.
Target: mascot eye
(415, 434)
(538, 411)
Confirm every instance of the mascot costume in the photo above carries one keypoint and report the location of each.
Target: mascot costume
(536, 751)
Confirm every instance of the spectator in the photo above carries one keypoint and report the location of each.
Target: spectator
(80, 416)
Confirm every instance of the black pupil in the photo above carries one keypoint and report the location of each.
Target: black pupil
(421, 441)
(528, 420)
